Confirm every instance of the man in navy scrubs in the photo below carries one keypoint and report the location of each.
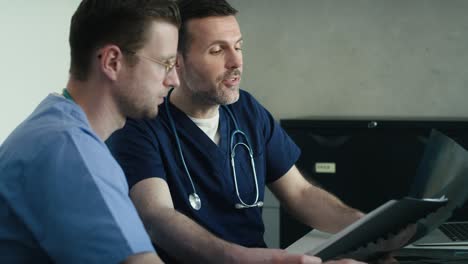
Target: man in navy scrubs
(190, 173)
(63, 197)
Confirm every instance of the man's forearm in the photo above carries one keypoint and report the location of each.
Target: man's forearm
(322, 210)
(185, 240)
(312, 205)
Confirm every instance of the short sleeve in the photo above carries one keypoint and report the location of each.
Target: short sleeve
(280, 151)
(76, 203)
(136, 149)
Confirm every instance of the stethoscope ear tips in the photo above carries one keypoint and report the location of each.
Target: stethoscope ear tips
(243, 206)
(239, 206)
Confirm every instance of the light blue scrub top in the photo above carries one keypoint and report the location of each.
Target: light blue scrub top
(63, 197)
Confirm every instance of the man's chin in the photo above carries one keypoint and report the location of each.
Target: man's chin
(144, 114)
(151, 115)
(231, 100)
(231, 96)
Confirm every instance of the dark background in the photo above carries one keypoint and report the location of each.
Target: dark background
(376, 160)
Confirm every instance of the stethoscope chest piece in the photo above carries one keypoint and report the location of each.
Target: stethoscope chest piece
(195, 201)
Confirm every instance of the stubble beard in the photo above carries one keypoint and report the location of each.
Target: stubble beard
(136, 108)
(220, 95)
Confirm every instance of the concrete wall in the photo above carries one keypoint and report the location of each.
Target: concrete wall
(384, 58)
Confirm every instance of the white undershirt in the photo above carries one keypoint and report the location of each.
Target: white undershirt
(209, 126)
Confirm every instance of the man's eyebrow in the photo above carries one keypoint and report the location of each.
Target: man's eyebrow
(224, 42)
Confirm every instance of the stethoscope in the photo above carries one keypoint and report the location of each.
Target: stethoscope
(194, 199)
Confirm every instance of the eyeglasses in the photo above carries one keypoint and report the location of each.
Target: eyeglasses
(168, 65)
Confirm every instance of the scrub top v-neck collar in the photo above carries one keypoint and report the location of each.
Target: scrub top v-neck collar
(187, 129)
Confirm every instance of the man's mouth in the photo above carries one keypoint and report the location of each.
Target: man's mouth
(232, 81)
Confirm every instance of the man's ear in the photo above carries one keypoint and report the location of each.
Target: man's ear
(110, 61)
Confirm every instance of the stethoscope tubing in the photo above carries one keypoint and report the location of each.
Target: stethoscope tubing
(194, 199)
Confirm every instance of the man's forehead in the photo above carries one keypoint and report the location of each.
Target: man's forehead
(212, 28)
(162, 38)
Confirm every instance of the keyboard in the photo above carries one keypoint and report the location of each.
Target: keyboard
(457, 231)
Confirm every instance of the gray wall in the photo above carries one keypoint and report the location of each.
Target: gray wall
(34, 55)
(383, 58)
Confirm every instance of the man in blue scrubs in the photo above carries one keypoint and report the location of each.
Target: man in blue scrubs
(190, 174)
(63, 197)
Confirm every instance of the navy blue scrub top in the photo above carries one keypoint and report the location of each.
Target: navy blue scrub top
(147, 148)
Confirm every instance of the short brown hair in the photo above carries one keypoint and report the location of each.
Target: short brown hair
(121, 22)
(192, 9)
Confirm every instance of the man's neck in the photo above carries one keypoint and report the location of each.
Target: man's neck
(99, 106)
(186, 102)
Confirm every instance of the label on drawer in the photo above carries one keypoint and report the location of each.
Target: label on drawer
(325, 167)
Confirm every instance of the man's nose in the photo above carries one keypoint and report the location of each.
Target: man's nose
(172, 79)
(234, 59)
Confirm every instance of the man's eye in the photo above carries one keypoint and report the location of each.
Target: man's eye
(217, 51)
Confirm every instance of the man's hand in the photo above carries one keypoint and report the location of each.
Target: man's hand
(239, 254)
(381, 252)
(396, 241)
(344, 261)
(279, 256)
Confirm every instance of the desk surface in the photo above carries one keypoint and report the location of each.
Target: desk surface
(456, 254)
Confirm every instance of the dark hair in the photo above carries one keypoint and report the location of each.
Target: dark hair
(120, 22)
(192, 9)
